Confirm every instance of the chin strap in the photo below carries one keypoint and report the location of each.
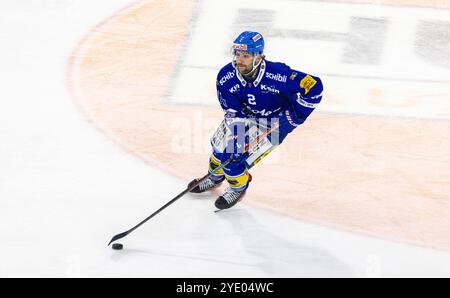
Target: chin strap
(255, 66)
(252, 74)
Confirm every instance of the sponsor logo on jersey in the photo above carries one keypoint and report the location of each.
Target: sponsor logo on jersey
(269, 89)
(240, 47)
(307, 83)
(262, 112)
(293, 75)
(256, 37)
(306, 104)
(277, 77)
(222, 100)
(226, 77)
(234, 89)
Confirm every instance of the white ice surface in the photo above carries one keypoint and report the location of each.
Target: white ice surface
(65, 189)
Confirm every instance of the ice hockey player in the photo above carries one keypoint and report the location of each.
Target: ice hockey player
(251, 87)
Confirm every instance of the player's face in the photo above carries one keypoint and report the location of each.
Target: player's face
(244, 61)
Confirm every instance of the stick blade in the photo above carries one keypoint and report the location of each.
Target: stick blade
(118, 236)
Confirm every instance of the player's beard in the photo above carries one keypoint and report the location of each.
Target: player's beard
(244, 69)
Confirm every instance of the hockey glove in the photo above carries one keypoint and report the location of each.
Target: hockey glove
(287, 121)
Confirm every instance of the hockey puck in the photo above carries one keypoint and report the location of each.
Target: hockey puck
(117, 246)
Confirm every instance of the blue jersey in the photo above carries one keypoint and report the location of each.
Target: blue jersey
(276, 88)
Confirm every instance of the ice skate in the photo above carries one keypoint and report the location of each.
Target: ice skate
(206, 184)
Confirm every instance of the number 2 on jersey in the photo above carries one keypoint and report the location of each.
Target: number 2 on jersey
(251, 99)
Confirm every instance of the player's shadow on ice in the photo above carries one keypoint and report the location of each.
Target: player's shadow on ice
(280, 257)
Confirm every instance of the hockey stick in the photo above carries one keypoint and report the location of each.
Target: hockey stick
(247, 146)
(121, 235)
